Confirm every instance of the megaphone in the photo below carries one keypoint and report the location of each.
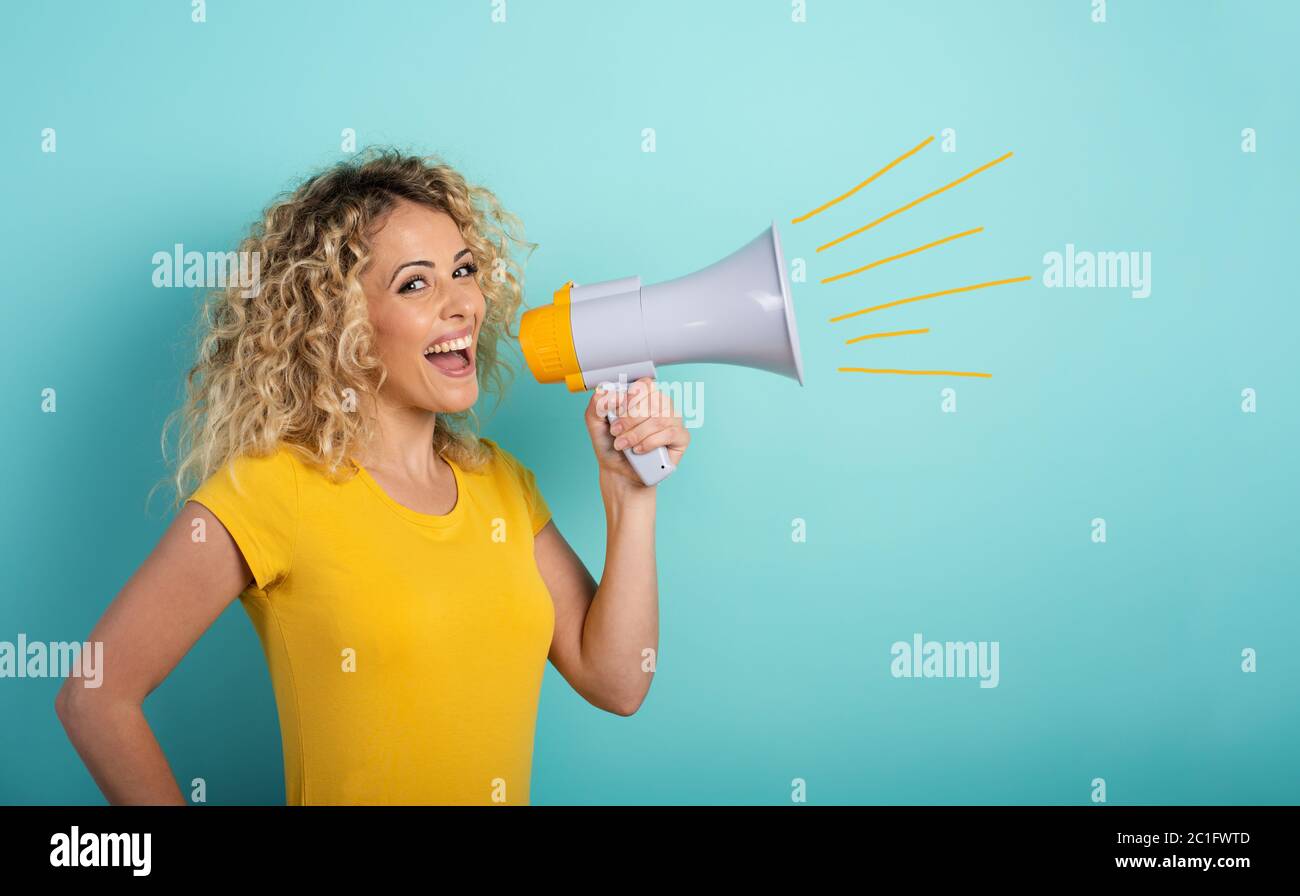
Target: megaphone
(609, 334)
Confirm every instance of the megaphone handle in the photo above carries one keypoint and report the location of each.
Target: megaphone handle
(653, 466)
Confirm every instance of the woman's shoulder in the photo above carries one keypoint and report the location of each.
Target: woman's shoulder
(256, 471)
(283, 460)
(519, 479)
(255, 496)
(497, 452)
(504, 466)
(500, 460)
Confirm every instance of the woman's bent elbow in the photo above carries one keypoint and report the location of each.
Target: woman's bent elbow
(73, 700)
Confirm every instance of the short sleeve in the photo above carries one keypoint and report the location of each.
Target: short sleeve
(256, 499)
(538, 510)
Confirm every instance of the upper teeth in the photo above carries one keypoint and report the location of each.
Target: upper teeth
(450, 346)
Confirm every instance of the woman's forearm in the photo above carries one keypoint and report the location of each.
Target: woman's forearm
(114, 740)
(622, 622)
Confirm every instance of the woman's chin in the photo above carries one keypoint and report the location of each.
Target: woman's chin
(454, 400)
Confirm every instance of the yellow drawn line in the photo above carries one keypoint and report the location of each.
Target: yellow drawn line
(882, 335)
(822, 208)
(876, 264)
(929, 295)
(917, 372)
(915, 202)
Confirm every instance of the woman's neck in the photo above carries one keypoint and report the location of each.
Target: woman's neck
(403, 444)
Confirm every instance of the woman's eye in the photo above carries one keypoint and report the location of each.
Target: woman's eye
(423, 281)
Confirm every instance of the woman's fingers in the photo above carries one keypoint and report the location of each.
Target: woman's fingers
(645, 420)
(605, 400)
(629, 432)
(638, 401)
(672, 436)
(644, 403)
(646, 417)
(642, 399)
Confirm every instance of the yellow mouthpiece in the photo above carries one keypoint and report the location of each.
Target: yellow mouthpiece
(546, 337)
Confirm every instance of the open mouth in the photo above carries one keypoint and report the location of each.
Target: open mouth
(454, 357)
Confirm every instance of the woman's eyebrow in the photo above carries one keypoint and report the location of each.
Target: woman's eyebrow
(421, 261)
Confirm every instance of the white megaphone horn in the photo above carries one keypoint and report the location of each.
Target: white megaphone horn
(735, 311)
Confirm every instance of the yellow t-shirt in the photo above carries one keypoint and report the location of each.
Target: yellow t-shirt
(406, 650)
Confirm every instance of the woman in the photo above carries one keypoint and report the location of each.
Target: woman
(404, 576)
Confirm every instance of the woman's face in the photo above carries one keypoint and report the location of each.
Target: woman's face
(422, 294)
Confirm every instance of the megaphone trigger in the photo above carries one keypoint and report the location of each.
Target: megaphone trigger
(654, 466)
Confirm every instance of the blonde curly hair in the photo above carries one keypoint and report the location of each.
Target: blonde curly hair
(296, 362)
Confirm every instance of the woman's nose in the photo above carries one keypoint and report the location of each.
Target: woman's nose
(460, 301)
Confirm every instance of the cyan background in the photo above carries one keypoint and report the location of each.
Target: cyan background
(1119, 660)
